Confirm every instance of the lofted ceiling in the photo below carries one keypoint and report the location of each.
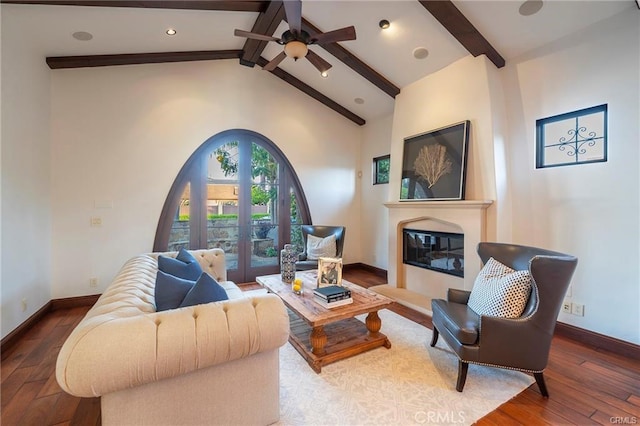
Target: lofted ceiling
(366, 74)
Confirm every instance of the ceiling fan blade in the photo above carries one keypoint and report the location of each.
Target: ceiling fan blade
(343, 34)
(254, 36)
(317, 61)
(274, 62)
(293, 10)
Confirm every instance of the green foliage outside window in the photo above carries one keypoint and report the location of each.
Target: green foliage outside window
(381, 169)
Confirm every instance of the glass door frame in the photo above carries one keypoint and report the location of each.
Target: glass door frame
(194, 172)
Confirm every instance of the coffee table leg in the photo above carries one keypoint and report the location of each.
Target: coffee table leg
(374, 323)
(318, 340)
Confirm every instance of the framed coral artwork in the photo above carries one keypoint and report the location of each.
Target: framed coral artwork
(434, 164)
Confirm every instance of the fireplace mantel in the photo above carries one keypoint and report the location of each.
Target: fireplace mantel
(459, 204)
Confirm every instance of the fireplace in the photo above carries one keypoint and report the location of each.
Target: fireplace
(438, 251)
(452, 230)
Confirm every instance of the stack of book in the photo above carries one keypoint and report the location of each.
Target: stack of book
(332, 296)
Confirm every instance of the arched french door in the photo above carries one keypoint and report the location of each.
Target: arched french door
(237, 192)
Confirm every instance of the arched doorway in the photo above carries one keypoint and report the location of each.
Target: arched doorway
(237, 192)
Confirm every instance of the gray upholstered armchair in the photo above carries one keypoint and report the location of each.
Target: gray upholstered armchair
(319, 231)
(521, 343)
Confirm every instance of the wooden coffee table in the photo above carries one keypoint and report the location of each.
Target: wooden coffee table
(322, 335)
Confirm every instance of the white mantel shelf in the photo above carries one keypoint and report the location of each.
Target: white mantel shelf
(461, 204)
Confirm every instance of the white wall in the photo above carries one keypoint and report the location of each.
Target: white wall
(121, 134)
(25, 176)
(589, 210)
(376, 141)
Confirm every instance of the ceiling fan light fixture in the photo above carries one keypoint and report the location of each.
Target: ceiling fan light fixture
(295, 49)
(384, 24)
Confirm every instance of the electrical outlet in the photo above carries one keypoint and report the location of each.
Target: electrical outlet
(577, 309)
(93, 282)
(566, 307)
(96, 221)
(24, 304)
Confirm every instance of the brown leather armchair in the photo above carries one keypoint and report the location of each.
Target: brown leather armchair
(521, 343)
(322, 232)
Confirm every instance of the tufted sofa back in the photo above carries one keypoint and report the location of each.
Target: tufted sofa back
(123, 342)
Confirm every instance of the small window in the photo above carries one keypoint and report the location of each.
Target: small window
(573, 138)
(381, 169)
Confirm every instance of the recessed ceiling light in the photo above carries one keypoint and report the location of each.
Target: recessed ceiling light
(420, 53)
(324, 74)
(171, 32)
(530, 7)
(359, 101)
(384, 24)
(82, 35)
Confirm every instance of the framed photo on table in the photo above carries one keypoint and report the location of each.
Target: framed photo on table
(329, 271)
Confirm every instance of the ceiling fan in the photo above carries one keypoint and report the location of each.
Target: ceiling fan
(296, 40)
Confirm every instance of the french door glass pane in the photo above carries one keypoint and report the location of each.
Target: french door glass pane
(296, 220)
(264, 207)
(223, 229)
(180, 232)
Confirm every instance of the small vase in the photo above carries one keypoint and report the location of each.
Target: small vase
(288, 259)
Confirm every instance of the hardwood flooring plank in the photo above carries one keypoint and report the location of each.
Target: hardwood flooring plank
(47, 367)
(87, 413)
(13, 412)
(498, 418)
(602, 383)
(592, 396)
(16, 355)
(561, 411)
(51, 386)
(627, 379)
(12, 385)
(39, 411)
(65, 409)
(44, 327)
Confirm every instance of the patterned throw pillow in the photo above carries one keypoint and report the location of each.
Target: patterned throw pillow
(500, 291)
(318, 247)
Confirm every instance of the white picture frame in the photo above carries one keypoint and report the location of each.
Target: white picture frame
(329, 271)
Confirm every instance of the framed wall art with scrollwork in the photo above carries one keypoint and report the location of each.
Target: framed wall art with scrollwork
(434, 164)
(576, 137)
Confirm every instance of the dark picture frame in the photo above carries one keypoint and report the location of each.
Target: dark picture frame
(434, 164)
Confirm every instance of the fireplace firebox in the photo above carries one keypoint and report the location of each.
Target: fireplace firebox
(438, 251)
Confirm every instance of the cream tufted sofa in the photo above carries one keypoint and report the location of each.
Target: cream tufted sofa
(208, 364)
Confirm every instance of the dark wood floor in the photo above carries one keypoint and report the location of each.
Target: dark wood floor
(586, 386)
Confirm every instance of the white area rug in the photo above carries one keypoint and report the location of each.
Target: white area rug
(409, 384)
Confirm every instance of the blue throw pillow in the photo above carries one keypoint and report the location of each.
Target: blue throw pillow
(184, 266)
(205, 290)
(170, 291)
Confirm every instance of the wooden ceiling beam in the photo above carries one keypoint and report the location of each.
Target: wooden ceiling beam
(305, 88)
(229, 5)
(266, 24)
(60, 62)
(353, 62)
(459, 26)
